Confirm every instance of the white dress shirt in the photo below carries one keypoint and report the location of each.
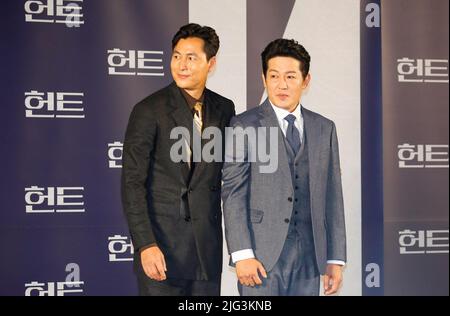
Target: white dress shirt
(299, 124)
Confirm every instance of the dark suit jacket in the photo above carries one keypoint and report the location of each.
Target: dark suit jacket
(163, 201)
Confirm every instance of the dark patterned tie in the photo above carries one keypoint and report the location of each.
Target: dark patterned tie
(198, 116)
(292, 134)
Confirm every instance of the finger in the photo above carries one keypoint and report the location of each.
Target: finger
(160, 270)
(151, 272)
(164, 263)
(163, 268)
(262, 271)
(147, 272)
(250, 280)
(245, 281)
(326, 282)
(334, 287)
(256, 279)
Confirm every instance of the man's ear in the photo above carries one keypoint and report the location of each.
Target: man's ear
(212, 64)
(264, 80)
(306, 81)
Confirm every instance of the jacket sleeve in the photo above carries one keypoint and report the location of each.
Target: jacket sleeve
(335, 222)
(235, 189)
(138, 146)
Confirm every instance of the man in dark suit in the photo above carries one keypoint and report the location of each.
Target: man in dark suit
(285, 226)
(173, 207)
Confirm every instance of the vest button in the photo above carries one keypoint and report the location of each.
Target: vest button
(286, 220)
(289, 199)
(187, 218)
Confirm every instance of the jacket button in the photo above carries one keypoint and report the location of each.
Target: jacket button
(187, 218)
(286, 220)
(289, 199)
(190, 191)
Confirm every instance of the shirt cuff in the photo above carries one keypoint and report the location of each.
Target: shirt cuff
(242, 255)
(339, 262)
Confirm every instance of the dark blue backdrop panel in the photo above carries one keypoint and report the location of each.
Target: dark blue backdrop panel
(47, 154)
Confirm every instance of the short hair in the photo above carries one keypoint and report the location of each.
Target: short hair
(206, 33)
(286, 48)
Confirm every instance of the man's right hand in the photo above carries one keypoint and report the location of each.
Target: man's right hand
(247, 272)
(153, 263)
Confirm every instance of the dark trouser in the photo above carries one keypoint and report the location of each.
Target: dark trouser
(176, 287)
(294, 274)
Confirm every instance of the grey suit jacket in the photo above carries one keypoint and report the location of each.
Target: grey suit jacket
(256, 204)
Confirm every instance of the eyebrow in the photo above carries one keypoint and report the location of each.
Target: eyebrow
(288, 72)
(188, 54)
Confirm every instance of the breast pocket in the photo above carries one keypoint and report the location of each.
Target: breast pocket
(256, 216)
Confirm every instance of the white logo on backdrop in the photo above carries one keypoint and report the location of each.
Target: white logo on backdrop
(423, 241)
(120, 248)
(65, 105)
(54, 11)
(54, 200)
(135, 63)
(71, 285)
(422, 156)
(422, 70)
(115, 151)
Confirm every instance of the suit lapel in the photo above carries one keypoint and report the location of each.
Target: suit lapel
(268, 118)
(211, 118)
(313, 132)
(182, 117)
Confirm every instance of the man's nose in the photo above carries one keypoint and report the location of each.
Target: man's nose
(282, 84)
(183, 64)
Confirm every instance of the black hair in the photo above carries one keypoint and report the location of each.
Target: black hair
(206, 33)
(286, 48)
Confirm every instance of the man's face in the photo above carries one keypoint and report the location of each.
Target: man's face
(189, 65)
(284, 82)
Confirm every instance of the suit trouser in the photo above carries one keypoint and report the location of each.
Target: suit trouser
(294, 274)
(176, 287)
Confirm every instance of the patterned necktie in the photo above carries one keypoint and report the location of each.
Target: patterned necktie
(292, 134)
(198, 116)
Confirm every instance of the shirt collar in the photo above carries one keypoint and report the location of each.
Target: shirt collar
(282, 113)
(190, 100)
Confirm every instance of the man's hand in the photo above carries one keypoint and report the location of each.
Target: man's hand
(332, 279)
(247, 272)
(153, 262)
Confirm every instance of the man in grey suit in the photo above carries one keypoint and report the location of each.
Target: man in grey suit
(284, 227)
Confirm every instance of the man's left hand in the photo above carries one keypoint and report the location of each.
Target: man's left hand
(332, 279)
